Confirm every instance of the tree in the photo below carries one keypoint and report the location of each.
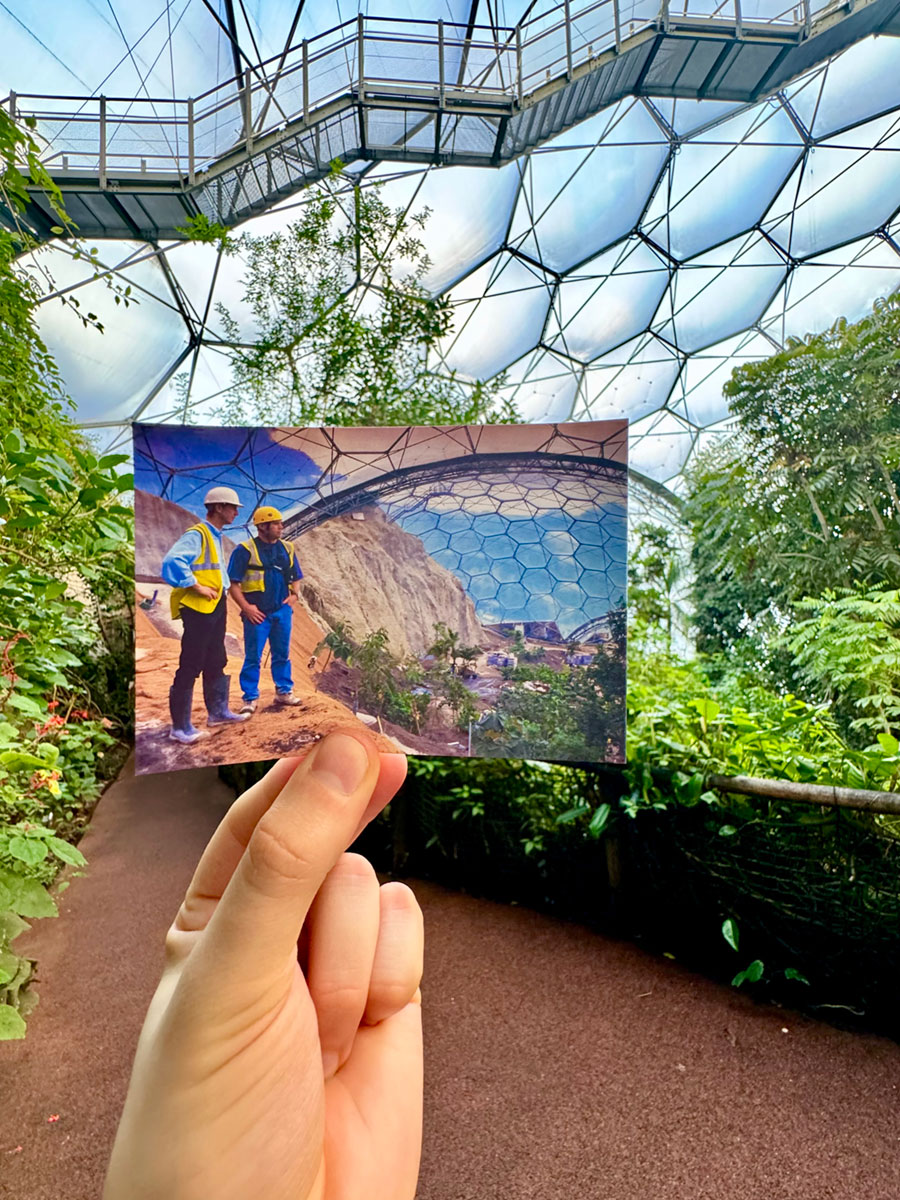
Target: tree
(446, 641)
(376, 665)
(339, 642)
(804, 496)
(346, 327)
(456, 696)
(467, 655)
(846, 648)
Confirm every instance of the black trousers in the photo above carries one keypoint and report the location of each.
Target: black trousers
(202, 647)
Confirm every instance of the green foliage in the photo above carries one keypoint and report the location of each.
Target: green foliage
(804, 497)
(755, 970)
(376, 665)
(752, 973)
(199, 228)
(344, 323)
(339, 642)
(656, 585)
(573, 714)
(30, 383)
(454, 694)
(535, 655)
(29, 379)
(730, 933)
(847, 650)
(680, 722)
(532, 803)
(408, 709)
(65, 586)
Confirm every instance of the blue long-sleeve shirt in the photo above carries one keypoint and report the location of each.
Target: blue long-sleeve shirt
(176, 566)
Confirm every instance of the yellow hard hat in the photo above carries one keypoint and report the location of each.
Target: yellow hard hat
(263, 515)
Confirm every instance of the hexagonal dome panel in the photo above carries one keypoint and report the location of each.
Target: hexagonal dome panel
(573, 203)
(608, 301)
(692, 211)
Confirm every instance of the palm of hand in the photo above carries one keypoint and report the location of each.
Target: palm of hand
(299, 1081)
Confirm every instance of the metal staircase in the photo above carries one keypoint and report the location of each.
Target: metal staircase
(412, 91)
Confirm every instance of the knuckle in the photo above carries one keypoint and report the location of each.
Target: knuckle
(194, 910)
(175, 945)
(172, 942)
(389, 996)
(274, 854)
(342, 1001)
(397, 992)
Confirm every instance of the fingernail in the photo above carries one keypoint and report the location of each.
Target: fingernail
(340, 762)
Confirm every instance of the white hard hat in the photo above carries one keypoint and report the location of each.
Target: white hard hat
(221, 495)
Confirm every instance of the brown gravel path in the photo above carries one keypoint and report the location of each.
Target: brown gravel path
(559, 1064)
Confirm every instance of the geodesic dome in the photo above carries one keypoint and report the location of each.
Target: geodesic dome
(530, 519)
(627, 201)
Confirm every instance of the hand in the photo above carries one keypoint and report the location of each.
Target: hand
(253, 614)
(254, 1077)
(207, 593)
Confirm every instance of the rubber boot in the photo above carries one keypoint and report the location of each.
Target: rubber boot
(180, 710)
(216, 697)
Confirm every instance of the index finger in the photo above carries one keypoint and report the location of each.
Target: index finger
(294, 845)
(229, 842)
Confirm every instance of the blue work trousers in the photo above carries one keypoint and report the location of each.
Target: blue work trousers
(276, 630)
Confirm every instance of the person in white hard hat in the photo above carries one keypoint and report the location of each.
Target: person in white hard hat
(195, 567)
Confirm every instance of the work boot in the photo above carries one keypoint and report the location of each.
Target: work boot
(249, 707)
(216, 697)
(180, 710)
(287, 698)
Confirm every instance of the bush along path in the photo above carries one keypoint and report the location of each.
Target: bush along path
(65, 577)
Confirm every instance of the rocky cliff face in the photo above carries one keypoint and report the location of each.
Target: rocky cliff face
(370, 574)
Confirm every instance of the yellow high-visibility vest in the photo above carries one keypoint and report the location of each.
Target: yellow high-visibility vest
(207, 569)
(254, 579)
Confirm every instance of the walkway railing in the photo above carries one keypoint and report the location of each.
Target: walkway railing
(388, 64)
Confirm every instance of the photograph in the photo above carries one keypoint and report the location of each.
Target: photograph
(460, 590)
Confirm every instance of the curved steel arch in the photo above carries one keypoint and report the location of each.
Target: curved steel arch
(404, 479)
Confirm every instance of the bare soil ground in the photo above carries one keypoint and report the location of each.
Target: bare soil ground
(272, 732)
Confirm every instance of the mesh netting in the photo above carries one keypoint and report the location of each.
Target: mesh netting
(811, 891)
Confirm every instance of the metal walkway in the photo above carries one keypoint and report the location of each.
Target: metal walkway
(412, 91)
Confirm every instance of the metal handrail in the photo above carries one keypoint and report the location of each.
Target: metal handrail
(495, 69)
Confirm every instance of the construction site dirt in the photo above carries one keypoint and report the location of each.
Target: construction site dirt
(273, 731)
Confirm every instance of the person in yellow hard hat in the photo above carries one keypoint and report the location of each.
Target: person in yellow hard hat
(265, 579)
(195, 568)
